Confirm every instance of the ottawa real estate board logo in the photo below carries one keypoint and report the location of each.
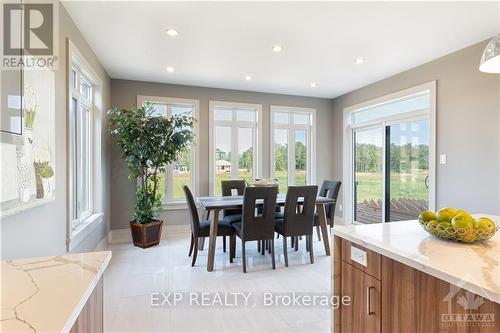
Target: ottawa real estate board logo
(30, 35)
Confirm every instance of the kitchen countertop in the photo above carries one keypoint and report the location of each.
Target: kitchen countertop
(474, 267)
(47, 294)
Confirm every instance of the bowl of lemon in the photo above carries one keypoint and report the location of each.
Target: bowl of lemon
(458, 225)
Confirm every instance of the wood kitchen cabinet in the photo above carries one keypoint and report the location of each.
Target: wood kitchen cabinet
(388, 296)
(363, 315)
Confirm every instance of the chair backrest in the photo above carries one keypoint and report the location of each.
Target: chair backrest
(299, 210)
(227, 187)
(235, 184)
(330, 189)
(193, 212)
(255, 224)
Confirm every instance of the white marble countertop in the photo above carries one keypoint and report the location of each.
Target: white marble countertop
(474, 267)
(47, 294)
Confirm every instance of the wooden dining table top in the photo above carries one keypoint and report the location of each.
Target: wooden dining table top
(236, 201)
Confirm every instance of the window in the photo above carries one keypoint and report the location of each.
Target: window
(84, 108)
(293, 146)
(235, 141)
(183, 171)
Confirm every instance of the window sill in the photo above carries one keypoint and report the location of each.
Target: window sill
(83, 229)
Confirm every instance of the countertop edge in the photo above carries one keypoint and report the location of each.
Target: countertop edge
(490, 295)
(79, 307)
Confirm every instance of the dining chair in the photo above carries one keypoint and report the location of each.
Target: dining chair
(298, 217)
(255, 226)
(329, 189)
(229, 187)
(202, 228)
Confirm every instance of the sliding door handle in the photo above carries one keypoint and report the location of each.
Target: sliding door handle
(426, 182)
(369, 311)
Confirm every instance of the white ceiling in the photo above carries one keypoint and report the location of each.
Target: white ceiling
(220, 43)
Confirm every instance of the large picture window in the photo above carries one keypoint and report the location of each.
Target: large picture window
(183, 171)
(292, 146)
(235, 142)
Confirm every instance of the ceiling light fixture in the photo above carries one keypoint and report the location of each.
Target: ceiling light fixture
(170, 69)
(490, 61)
(248, 78)
(359, 60)
(314, 85)
(277, 48)
(171, 32)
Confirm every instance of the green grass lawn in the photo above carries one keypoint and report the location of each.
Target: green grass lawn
(369, 184)
(402, 186)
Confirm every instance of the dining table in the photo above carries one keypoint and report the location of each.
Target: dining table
(217, 203)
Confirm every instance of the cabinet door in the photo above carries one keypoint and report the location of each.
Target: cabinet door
(364, 312)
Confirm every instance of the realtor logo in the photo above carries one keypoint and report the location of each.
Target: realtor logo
(470, 303)
(29, 35)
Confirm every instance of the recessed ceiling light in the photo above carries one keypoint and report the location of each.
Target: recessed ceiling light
(248, 78)
(171, 32)
(277, 48)
(314, 84)
(359, 60)
(170, 69)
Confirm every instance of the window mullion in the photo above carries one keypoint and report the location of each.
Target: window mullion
(291, 156)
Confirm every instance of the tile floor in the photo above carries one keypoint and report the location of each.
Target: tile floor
(134, 274)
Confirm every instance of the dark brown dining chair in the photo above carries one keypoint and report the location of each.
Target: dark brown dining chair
(229, 188)
(298, 217)
(329, 189)
(255, 226)
(202, 228)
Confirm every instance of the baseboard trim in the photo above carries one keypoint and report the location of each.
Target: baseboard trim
(117, 236)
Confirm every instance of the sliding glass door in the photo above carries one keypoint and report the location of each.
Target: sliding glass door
(390, 149)
(368, 175)
(407, 170)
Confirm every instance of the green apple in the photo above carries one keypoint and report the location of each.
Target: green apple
(426, 216)
(463, 221)
(445, 214)
(485, 224)
(444, 229)
(459, 211)
(432, 227)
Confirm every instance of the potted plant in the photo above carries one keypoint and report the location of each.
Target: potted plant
(149, 143)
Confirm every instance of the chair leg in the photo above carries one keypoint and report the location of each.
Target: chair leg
(296, 243)
(292, 242)
(201, 244)
(318, 232)
(195, 252)
(244, 256)
(191, 246)
(258, 246)
(271, 245)
(224, 244)
(285, 251)
(263, 247)
(311, 246)
(232, 248)
(307, 244)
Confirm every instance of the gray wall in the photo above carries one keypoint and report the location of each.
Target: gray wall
(124, 93)
(468, 121)
(42, 231)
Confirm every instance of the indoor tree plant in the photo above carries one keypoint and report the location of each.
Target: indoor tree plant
(149, 143)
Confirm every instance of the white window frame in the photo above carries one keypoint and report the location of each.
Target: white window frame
(291, 127)
(348, 146)
(235, 124)
(168, 201)
(78, 229)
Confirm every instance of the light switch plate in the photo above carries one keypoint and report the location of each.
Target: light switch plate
(359, 256)
(442, 159)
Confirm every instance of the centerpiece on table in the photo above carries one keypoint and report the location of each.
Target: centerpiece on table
(149, 143)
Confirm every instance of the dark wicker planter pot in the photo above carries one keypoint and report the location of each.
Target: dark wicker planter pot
(146, 234)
